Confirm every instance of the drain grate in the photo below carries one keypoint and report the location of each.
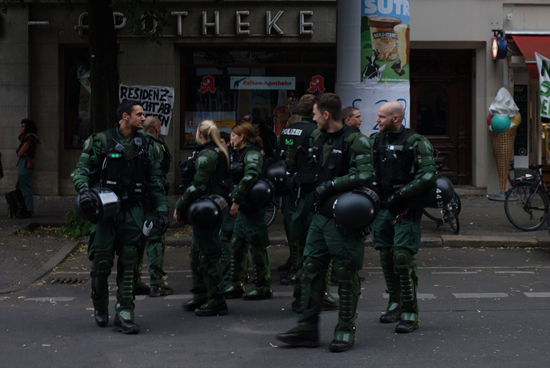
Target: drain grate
(68, 280)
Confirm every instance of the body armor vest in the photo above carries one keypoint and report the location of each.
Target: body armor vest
(393, 163)
(291, 139)
(237, 162)
(124, 168)
(313, 168)
(166, 160)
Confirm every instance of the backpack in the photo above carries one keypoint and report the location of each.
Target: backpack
(16, 203)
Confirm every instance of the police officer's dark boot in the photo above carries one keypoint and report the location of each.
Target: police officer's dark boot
(124, 319)
(262, 276)
(393, 310)
(214, 306)
(126, 327)
(101, 269)
(408, 281)
(213, 277)
(290, 277)
(235, 288)
(349, 290)
(306, 333)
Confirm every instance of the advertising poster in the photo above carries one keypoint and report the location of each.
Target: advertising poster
(368, 98)
(225, 120)
(157, 101)
(543, 65)
(385, 37)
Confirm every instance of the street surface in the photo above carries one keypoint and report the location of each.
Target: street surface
(479, 308)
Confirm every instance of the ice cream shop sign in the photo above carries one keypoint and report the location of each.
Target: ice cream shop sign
(210, 23)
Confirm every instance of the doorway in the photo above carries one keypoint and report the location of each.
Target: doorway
(441, 107)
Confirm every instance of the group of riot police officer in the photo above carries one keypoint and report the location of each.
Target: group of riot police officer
(351, 181)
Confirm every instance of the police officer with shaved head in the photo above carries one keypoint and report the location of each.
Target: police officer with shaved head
(404, 167)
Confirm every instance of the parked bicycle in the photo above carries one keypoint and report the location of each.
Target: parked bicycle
(526, 203)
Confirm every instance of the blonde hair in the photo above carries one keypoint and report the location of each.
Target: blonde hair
(210, 132)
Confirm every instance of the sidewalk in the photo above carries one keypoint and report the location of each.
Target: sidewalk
(23, 260)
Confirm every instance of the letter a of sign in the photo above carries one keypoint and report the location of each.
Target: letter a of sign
(317, 83)
(207, 84)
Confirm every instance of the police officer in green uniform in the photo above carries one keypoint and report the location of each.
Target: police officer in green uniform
(156, 243)
(296, 204)
(226, 232)
(119, 159)
(211, 176)
(343, 161)
(250, 226)
(404, 167)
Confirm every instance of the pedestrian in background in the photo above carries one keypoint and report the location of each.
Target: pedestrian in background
(26, 152)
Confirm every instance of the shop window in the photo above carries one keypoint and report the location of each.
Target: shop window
(431, 110)
(224, 85)
(76, 96)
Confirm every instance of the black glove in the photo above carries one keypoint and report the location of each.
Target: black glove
(87, 202)
(323, 190)
(396, 204)
(164, 223)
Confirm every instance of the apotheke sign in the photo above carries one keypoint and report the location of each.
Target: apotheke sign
(211, 22)
(276, 83)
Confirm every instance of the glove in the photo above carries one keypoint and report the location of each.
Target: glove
(323, 190)
(396, 204)
(87, 202)
(164, 223)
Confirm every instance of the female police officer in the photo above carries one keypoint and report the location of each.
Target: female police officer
(210, 177)
(250, 225)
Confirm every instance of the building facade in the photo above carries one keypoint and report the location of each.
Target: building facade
(226, 59)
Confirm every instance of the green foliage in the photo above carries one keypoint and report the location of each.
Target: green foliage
(75, 227)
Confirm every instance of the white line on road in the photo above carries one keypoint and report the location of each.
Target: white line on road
(530, 272)
(418, 296)
(454, 273)
(537, 295)
(480, 295)
(49, 299)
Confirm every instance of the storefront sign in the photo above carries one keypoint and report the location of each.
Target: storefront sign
(543, 65)
(274, 83)
(156, 101)
(317, 84)
(385, 36)
(212, 22)
(207, 84)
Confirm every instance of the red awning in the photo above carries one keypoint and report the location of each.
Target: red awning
(528, 46)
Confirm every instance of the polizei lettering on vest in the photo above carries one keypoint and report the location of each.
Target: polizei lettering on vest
(289, 131)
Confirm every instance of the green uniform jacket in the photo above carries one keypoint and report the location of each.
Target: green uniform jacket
(93, 156)
(253, 163)
(423, 161)
(157, 150)
(203, 180)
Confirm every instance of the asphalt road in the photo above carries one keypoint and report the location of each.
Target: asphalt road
(479, 308)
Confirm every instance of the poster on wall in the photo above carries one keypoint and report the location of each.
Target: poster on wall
(368, 98)
(225, 120)
(385, 38)
(543, 65)
(157, 101)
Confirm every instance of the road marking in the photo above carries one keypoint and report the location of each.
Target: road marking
(480, 295)
(454, 273)
(537, 295)
(48, 299)
(138, 297)
(530, 272)
(418, 296)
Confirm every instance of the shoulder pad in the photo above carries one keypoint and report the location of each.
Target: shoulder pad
(100, 137)
(205, 162)
(361, 142)
(424, 146)
(374, 135)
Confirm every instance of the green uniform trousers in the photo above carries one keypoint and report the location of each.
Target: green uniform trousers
(24, 182)
(405, 234)
(251, 230)
(206, 267)
(155, 250)
(122, 236)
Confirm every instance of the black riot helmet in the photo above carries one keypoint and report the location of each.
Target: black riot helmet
(207, 212)
(277, 175)
(436, 196)
(356, 209)
(106, 205)
(259, 195)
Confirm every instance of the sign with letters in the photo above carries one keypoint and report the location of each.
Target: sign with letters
(157, 101)
(275, 83)
(543, 65)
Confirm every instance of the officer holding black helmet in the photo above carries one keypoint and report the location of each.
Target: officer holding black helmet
(404, 167)
(209, 177)
(119, 159)
(341, 162)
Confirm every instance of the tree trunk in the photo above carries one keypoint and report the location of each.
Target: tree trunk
(103, 64)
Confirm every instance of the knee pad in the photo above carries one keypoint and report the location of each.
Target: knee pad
(128, 255)
(102, 264)
(403, 261)
(311, 269)
(345, 275)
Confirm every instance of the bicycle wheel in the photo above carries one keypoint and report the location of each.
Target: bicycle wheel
(451, 216)
(526, 206)
(270, 214)
(456, 200)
